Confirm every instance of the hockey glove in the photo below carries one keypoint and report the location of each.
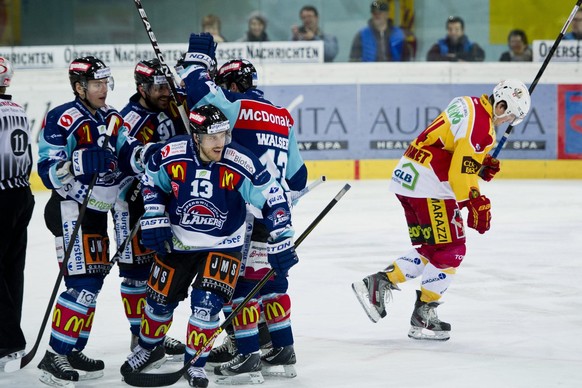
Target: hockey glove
(489, 168)
(281, 255)
(479, 207)
(156, 234)
(92, 160)
(201, 51)
(145, 153)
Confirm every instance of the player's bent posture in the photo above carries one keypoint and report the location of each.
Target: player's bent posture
(72, 150)
(151, 117)
(434, 180)
(195, 189)
(268, 132)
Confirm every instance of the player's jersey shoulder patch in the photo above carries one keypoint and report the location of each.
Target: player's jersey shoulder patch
(69, 117)
(174, 148)
(239, 159)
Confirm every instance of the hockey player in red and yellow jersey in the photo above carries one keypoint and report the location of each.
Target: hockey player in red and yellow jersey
(436, 178)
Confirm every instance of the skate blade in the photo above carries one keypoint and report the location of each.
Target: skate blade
(175, 357)
(420, 333)
(361, 292)
(51, 380)
(241, 379)
(11, 362)
(85, 375)
(287, 371)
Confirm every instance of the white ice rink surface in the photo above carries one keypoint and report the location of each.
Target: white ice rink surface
(514, 305)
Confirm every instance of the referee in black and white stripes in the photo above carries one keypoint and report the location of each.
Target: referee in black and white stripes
(16, 205)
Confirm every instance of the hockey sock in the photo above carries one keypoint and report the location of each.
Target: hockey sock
(198, 333)
(68, 320)
(246, 325)
(154, 327)
(278, 316)
(435, 282)
(86, 330)
(408, 266)
(133, 296)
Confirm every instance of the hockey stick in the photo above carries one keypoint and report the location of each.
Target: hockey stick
(533, 85)
(160, 56)
(139, 379)
(295, 196)
(20, 363)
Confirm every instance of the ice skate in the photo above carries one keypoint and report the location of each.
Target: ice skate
(374, 292)
(10, 356)
(425, 325)
(142, 360)
(174, 349)
(223, 353)
(87, 368)
(243, 369)
(56, 371)
(196, 377)
(279, 362)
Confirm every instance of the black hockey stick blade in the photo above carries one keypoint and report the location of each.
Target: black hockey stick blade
(164, 379)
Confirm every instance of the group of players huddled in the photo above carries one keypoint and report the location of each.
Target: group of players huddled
(187, 195)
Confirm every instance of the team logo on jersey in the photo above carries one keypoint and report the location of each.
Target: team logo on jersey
(177, 171)
(201, 215)
(228, 178)
(84, 134)
(279, 216)
(203, 174)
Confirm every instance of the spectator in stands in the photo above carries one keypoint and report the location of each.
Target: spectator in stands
(310, 31)
(576, 33)
(211, 24)
(257, 29)
(379, 41)
(456, 46)
(519, 50)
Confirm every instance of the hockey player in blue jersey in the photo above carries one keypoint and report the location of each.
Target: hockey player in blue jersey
(152, 117)
(275, 145)
(71, 151)
(195, 194)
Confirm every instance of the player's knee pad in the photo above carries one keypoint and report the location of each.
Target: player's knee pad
(277, 309)
(444, 255)
(205, 305)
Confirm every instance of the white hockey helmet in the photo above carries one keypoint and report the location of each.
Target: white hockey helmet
(6, 72)
(516, 96)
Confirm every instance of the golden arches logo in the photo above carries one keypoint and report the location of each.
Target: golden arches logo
(138, 308)
(274, 310)
(249, 314)
(76, 322)
(228, 180)
(90, 319)
(197, 339)
(57, 314)
(145, 327)
(178, 172)
(162, 329)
